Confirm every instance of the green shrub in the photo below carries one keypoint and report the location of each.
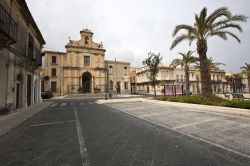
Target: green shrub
(174, 98)
(238, 104)
(213, 100)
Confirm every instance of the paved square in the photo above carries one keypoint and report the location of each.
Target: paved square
(226, 131)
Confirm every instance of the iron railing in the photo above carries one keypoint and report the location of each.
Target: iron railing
(7, 25)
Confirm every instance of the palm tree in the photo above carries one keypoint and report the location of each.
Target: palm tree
(206, 26)
(212, 65)
(246, 69)
(186, 60)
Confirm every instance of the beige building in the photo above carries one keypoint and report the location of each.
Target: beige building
(118, 76)
(83, 69)
(176, 77)
(21, 43)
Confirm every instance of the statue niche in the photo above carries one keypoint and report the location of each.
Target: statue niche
(86, 40)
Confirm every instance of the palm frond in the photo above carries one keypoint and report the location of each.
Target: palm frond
(182, 27)
(240, 18)
(179, 39)
(223, 11)
(220, 34)
(231, 25)
(232, 35)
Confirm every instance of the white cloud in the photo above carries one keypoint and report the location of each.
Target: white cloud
(129, 29)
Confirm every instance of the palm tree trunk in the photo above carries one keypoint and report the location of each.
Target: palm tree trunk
(198, 85)
(187, 80)
(206, 90)
(248, 82)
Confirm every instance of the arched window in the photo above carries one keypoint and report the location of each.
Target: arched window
(110, 69)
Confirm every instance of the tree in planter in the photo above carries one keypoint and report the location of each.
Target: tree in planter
(186, 60)
(246, 70)
(152, 62)
(206, 26)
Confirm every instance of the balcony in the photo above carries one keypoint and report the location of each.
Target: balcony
(8, 28)
(31, 64)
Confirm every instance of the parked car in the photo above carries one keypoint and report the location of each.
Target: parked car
(47, 95)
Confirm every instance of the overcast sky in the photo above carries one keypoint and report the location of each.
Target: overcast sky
(129, 29)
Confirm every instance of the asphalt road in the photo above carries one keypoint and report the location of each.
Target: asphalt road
(73, 132)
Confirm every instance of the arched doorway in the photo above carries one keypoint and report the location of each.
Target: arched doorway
(86, 82)
(19, 91)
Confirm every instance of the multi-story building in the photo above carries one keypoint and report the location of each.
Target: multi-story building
(52, 72)
(83, 69)
(169, 76)
(237, 83)
(118, 76)
(133, 80)
(21, 43)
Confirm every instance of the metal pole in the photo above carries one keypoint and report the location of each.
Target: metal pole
(115, 78)
(106, 83)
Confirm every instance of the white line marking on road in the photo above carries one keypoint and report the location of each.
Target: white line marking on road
(82, 103)
(45, 124)
(187, 125)
(63, 104)
(98, 102)
(83, 149)
(90, 102)
(143, 116)
(53, 105)
(194, 137)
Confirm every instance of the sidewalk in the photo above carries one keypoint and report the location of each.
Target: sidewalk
(7, 122)
(206, 108)
(193, 107)
(123, 100)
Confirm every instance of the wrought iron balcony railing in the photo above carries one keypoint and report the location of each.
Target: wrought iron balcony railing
(8, 27)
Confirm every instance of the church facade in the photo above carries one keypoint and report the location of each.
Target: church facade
(81, 69)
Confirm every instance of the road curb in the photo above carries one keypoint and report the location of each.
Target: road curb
(12, 120)
(125, 100)
(206, 108)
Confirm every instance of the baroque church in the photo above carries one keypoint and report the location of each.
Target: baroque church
(83, 69)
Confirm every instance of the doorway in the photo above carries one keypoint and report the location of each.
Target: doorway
(118, 87)
(86, 82)
(19, 91)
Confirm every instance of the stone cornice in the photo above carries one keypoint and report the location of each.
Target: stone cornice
(82, 49)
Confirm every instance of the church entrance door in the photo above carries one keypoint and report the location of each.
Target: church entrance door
(86, 82)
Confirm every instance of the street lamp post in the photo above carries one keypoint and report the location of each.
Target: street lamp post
(106, 83)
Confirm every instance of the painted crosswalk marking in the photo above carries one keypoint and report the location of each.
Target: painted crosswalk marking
(54, 105)
(82, 103)
(98, 102)
(63, 104)
(90, 102)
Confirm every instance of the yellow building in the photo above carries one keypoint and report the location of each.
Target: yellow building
(168, 75)
(118, 76)
(82, 69)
